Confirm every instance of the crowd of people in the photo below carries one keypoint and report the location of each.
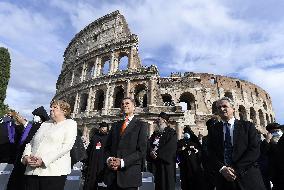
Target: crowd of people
(235, 155)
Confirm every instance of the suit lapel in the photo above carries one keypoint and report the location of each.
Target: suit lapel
(220, 136)
(236, 134)
(119, 125)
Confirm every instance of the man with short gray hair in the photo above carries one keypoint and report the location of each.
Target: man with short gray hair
(233, 147)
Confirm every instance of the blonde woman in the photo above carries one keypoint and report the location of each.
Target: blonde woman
(47, 156)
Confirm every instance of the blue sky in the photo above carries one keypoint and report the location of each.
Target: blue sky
(240, 38)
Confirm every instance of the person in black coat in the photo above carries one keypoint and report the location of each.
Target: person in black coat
(165, 155)
(17, 177)
(209, 174)
(273, 148)
(153, 143)
(10, 133)
(189, 157)
(234, 148)
(125, 150)
(95, 162)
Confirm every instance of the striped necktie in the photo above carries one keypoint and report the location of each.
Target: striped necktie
(123, 127)
(228, 147)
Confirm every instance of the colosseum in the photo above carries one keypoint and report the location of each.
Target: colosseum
(102, 65)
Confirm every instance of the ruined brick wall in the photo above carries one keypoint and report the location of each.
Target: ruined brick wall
(102, 65)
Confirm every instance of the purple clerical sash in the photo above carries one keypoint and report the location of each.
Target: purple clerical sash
(25, 133)
(11, 132)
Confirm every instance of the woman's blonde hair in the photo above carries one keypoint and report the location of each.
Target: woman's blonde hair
(64, 106)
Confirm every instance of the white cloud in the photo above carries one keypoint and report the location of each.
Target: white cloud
(36, 55)
(220, 37)
(272, 82)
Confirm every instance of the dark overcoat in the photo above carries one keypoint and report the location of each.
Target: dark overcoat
(246, 151)
(166, 160)
(131, 147)
(95, 162)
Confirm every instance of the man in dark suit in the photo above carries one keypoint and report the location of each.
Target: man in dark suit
(125, 149)
(233, 148)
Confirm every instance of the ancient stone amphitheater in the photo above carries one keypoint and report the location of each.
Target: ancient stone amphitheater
(101, 66)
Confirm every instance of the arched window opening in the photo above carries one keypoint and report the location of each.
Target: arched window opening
(264, 105)
(271, 118)
(123, 62)
(90, 71)
(77, 75)
(105, 66)
(118, 96)
(229, 95)
(256, 92)
(213, 80)
(214, 108)
(83, 102)
(69, 79)
(242, 113)
(71, 101)
(188, 99)
(140, 95)
(238, 84)
(261, 118)
(267, 119)
(99, 100)
(253, 115)
(167, 99)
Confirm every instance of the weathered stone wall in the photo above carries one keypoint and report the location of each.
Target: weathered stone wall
(101, 66)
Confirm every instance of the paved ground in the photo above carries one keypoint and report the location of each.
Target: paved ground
(73, 180)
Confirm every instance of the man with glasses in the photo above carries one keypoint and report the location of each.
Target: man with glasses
(233, 147)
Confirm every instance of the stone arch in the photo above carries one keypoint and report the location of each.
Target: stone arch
(140, 95)
(83, 102)
(253, 115)
(118, 96)
(256, 92)
(267, 119)
(71, 102)
(188, 99)
(213, 80)
(90, 70)
(99, 100)
(264, 105)
(78, 75)
(167, 99)
(261, 118)
(123, 61)
(105, 64)
(238, 84)
(229, 95)
(242, 113)
(68, 79)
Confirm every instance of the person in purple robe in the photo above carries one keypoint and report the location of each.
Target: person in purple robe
(16, 180)
(10, 132)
